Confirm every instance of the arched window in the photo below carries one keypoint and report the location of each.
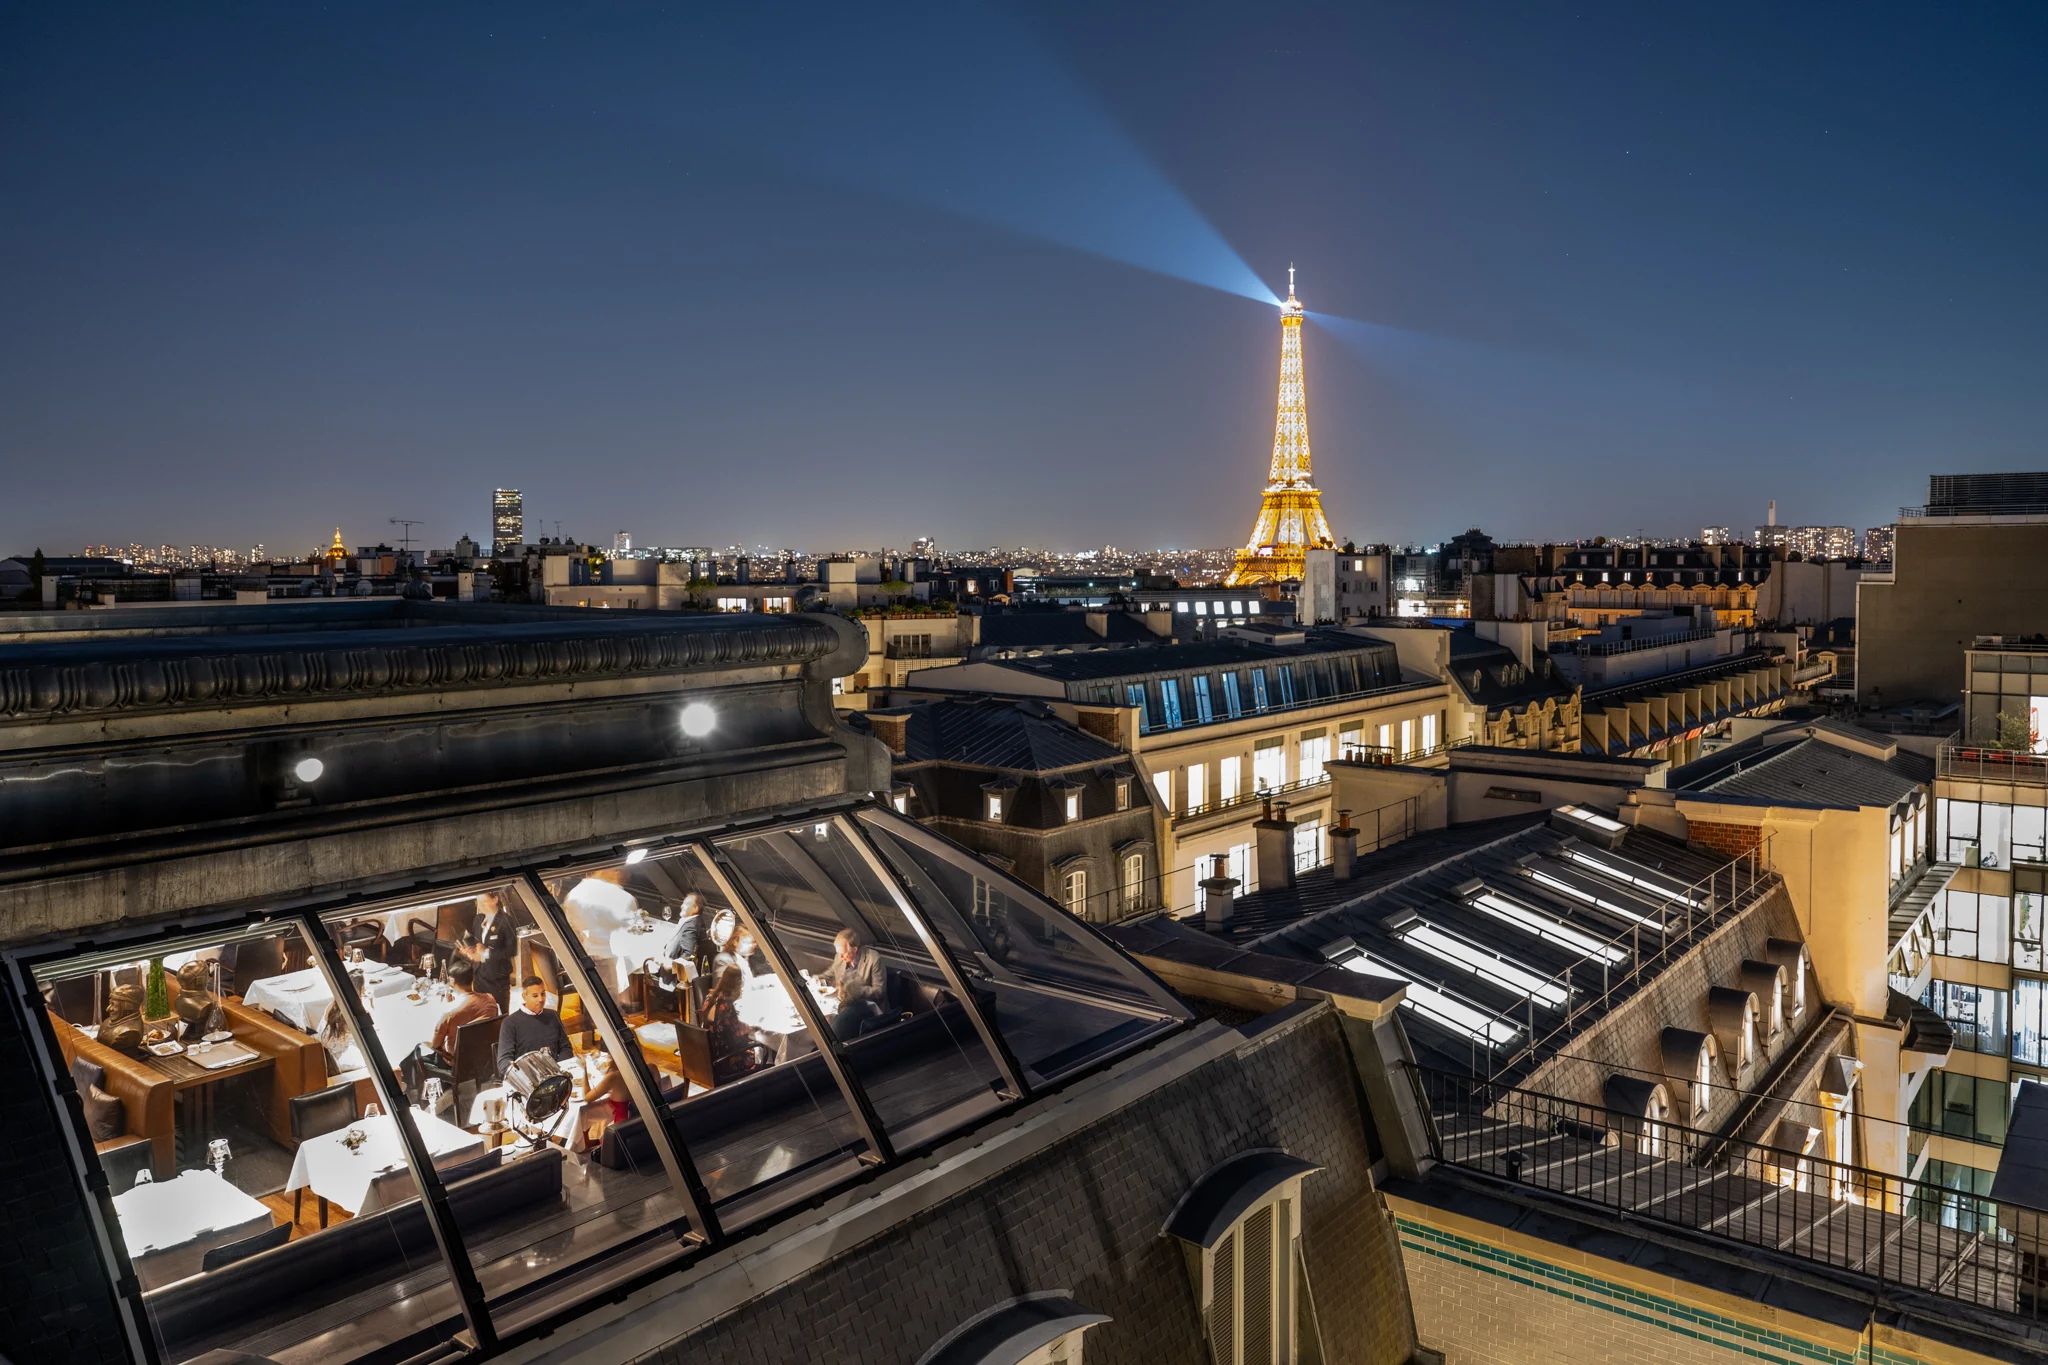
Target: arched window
(1703, 1079)
(1036, 1329)
(1241, 1227)
(1745, 1053)
(1074, 892)
(1656, 1115)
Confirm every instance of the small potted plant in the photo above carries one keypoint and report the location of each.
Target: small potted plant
(156, 993)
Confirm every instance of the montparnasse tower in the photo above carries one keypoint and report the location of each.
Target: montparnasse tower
(1291, 520)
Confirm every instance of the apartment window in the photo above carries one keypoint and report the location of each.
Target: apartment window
(1201, 608)
(1259, 702)
(1197, 781)
(1349, 740)
(1169, 698)
(1134, 880)
(2029, 1021)
(1205, 711)
(1123, 793)
(1074, 892)
(1307, 847)
(1286, 684)
(1971, 925)
(1244, 870)
(1162, 782)
(993, 807)
(1432, 729)
(1977, 1014)
(1407, 738)
(1228, 771)
(1134, 693)
(732, 604)
(1315, 753)
(1269, 765)
(1182, 608)
(1073, 805)
(1232, 703)
(1386, 737)
(1972, 1108)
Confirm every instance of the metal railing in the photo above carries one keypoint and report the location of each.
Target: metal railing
(1985, 763)
(1387, 754)
(1602, 648)
(1898, 1231)
(1701, 906)
(1286, 790)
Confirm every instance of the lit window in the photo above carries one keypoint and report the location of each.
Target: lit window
(1182, 608)
(1635, 878)
(1074, 892)
(1315, 754)
(1073, 805)
(1460, 1018)
(995, 807)
(1201, 608)
(1219, 608)
(1228, 779)
(1134, 881)
(1703, 1082)
(1123, 793)
(1237, 608)
(1197, 781)
(1162, 782)
(1407, 738)
(1429, 732)
(1546, 928)
(1481, 963)
(1597, 902)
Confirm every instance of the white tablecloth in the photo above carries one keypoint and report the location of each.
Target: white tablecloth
(628, 948)
(171, 1224)
(302, 997)
(348, 1179)
(766, 1008)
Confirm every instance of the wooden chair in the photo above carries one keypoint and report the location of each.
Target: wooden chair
(690, 1057)
(368, 935)
(541, 961)
(323, 1111)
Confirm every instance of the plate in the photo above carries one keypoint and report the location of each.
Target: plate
(219, 1035)
(165, 1049)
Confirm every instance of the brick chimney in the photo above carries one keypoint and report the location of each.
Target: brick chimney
(891, 728)
(1275, 836)
(1218, 892)
(1344, 848)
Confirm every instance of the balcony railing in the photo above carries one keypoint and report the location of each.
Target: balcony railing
(1285, 791)
(1603, 648)
(1899, 1232)
(1983, 763)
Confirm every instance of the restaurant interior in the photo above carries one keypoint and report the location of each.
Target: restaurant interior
(375, 1129)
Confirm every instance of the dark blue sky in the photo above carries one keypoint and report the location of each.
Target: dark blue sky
(846, 274)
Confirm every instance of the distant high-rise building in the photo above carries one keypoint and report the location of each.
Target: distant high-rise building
(1716, 535)
(1877, 544)
(1291, 520)
(1820, 542)
(622, 545)
(508, 521)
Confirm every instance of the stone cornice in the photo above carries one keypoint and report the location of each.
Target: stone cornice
(249, 671)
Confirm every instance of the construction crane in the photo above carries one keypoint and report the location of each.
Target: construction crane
(408, 523)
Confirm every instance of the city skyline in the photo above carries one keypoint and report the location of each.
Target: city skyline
(386, 264)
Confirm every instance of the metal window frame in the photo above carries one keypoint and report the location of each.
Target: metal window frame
(729, 879)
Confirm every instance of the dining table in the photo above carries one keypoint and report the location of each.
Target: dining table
(170, 1225)
(301, 998)
(629, 946)
(767, 1009)
(373, 1175)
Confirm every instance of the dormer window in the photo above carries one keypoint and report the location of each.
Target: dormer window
(1703, 1081)
(1745, 1054)
(1241, 1228)
(994, 807)
(1073, 804)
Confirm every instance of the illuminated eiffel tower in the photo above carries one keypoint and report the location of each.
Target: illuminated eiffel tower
(1291, 521)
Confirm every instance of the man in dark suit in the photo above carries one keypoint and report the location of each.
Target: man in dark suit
(491, 944)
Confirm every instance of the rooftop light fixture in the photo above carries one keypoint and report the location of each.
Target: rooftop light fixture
(698, 719)
(1593, 819)
(1546, 928)
(638, 855)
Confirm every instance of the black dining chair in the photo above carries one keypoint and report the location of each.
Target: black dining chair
(123, 1163)
(250, 961)
(366, 934)
(227, 1253)
(476, 1054)
(322, 1111)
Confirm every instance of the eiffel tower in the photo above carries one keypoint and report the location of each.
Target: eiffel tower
(1291, 521)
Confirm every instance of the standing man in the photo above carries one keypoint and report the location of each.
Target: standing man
(491, 945)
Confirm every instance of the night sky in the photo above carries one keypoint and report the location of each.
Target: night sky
(847, 275)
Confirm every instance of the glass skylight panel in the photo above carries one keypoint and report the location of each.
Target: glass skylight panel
(1622, 873)
(1546, 928)
(1597, 902)
(1507, 975)
(1455, 1015)
(1592, 819)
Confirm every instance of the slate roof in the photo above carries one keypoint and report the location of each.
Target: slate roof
(1491, 676)
(1018, 736)
(1056, 629)
(1809, 771)
(1130, 662)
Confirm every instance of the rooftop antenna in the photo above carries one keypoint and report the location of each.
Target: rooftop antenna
(408, 523)
(1290, 279)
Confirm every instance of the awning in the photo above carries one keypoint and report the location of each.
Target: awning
(1220, 1198)
(1010, 1332)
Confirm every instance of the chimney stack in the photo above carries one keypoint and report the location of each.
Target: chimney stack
(891, 728)
(1274, 834)
(1218, 891)
(1344, 848)
(1098, 623)
(1771, 515)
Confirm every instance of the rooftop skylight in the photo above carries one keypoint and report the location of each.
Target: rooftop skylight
(1544, 927)
(1635, 876)
(1465, 1020)
(1491, 967)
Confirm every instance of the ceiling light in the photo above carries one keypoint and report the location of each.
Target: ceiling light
(308, 769)
(699, 719)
